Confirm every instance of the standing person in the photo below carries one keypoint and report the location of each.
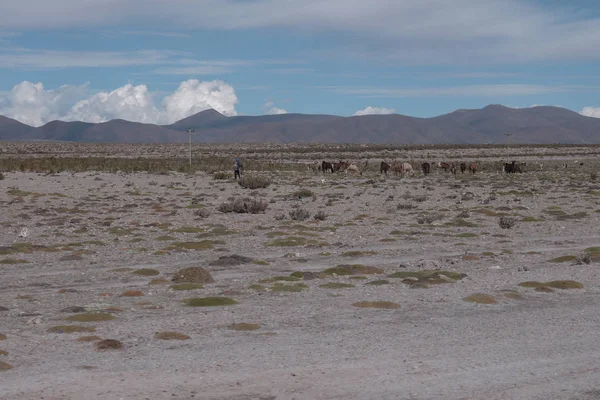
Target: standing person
(237, 166)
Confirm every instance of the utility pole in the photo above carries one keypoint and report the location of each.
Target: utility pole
(189, 131)
(508, 143)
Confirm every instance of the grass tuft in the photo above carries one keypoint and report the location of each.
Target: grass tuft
(171, 336)
(90, 317)
(243, 326)
(209, 301)
(71, 329)
(480, 298)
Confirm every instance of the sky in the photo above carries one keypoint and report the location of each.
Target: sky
(157, 61)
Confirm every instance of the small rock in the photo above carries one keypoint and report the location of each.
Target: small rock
(3, 309)
(308, 276)
(429, 264)
(34, 321)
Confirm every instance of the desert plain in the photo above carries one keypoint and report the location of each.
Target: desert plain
(313, 285)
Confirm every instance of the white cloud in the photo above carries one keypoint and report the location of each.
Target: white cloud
(591, 112)
(434, 30)
(193, 96)
(34, 105)
(270, 109)
(375, 111)
(132, 103)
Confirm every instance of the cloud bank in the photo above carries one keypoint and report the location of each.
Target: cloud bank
(375, 111)
(591, 112)
(34, 105)
(439, 30)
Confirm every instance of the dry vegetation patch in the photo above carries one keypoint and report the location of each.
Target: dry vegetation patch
(146, 272)
(171, 336)
(132, 293)
(71, 329)
(563, 259)
(282, 287)
(561, 284)
(481, 298)
(244, 326)
(209, 301)
(4, 366)
(90, 317)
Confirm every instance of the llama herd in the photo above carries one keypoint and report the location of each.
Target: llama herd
(405, 168)
(396, 167)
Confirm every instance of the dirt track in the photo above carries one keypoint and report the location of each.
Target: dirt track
(92, 230)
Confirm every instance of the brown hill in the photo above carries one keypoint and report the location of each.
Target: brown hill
(486, 125)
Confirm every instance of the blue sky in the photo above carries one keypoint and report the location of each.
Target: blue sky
(159, 61)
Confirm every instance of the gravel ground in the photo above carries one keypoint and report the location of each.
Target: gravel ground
(87, 233)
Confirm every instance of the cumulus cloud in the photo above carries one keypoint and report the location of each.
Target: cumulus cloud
(591, 112)
(132, 103)
(270, 109)
(32, 104)
(375, 111)
(193, 96)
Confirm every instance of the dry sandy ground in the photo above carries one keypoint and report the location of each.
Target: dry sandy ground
(92, 230)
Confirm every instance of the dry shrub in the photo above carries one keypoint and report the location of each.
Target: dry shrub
(109, 344)
(221, 175)
(506, 222)
(202, 213)
(585, 258)
(302, 193)
(428, 218)
(299, 214)
(320, 216)
(193, 275)
(254, 182)
(405, 206)
(246, 205)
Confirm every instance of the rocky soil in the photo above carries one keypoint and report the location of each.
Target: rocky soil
(480, 286)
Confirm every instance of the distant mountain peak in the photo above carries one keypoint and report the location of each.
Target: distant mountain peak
(211, 112)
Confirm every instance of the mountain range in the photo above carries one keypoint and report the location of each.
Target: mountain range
(488, 125)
